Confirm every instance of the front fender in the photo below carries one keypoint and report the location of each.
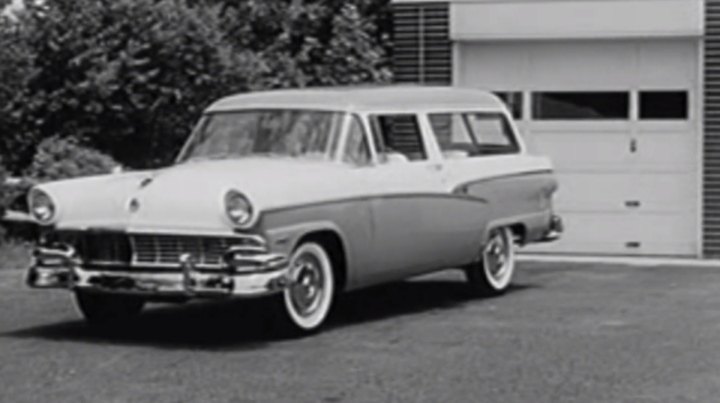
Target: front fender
(286, 239)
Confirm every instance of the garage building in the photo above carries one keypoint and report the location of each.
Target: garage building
(624, 95)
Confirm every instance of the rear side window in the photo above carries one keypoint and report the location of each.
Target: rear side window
(462, 135)
(398, 137)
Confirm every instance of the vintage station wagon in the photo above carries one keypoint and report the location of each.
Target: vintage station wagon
(303, 194)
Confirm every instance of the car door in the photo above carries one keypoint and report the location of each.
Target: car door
(410, 201)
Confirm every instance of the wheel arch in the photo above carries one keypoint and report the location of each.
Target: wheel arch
(519, 231)
(333, 243)
(517, 225)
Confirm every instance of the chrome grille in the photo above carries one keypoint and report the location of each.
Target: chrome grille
(167, 249)
(102, 248)
(151, 250)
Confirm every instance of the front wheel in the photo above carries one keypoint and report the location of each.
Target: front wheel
(307, 300)
(494, 270)
(98, 309)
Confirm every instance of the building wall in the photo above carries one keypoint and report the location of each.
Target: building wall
(578, 19)
(492, 40)
(422, 50)
(711, 139)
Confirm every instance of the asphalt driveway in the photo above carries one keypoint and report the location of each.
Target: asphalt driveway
(565, 333)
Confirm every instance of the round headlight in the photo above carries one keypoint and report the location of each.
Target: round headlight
(41, 206)
(238, 207)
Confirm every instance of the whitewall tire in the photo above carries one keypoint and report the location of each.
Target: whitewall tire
(494, 271)
(308, 298)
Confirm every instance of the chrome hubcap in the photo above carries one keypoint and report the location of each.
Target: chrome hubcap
(306, 290)
(497, 255)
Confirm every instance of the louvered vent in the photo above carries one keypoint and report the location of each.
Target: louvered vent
(422, 50)
(711, 146)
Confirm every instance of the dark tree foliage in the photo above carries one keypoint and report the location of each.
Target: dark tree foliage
(311, 43)
(130, 77)
(15, 70)
(4, 193)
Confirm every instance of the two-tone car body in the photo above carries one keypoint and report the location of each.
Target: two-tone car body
(303, 193)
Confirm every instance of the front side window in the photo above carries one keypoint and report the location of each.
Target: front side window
(284, 133)
(473, 134)
(581, 105)
(398, 137)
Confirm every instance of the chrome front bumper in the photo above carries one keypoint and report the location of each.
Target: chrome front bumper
(243, 275)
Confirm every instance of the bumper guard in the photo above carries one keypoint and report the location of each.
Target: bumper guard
(555, 229)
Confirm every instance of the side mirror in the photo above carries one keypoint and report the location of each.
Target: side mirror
(117, 169)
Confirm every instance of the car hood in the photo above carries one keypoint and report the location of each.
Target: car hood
(189, 197)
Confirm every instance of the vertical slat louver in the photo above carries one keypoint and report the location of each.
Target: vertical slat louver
(711, 140)
(422, 52)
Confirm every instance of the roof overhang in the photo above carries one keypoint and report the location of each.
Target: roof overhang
(572, 19)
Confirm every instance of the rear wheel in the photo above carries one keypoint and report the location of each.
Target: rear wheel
(100, 309)
(493, 272)
(307, 300)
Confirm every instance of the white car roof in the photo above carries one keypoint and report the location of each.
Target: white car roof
(363, 99)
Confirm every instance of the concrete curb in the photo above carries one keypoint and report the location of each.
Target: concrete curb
(621, 260)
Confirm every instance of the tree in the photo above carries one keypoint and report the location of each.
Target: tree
(15, 69)
(128, 77)
(309, 43)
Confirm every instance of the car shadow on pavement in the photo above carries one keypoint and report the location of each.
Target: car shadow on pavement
(243, 324)
(406, 298)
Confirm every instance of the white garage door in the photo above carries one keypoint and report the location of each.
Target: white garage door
(620, 121)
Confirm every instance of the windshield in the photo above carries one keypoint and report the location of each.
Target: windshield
(287, 133)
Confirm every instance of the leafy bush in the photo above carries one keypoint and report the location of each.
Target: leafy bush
(4, 199)
(63, 158)
(12, 194)
(13, 197)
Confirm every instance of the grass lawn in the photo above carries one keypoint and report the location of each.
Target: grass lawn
(14, 255)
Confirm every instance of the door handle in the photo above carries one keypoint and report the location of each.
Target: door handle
(633, 146)
(436, 167)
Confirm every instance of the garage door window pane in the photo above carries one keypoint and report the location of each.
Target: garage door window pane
(581, 105)
(664, 105)
(514, 101)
